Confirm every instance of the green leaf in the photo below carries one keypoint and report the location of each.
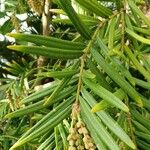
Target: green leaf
(49, 52)
(45, 124)
(125, 86)
(6, 27)
(40, 105)
(77, 22)
(140, 127)
(98, 126)
(95, 7)
(140, 118)
(146, 103)
(56, 132)
(108, 120)
(46, 142)
(145, 31)
(142, 135)
(39, 94)
(97, 139)
(138, 12)
(48, 41)
(99, 75)
(138, 37)
(143, 145)
(59, 74)
(113, 23)
(103, 104)
(140, 68)
(60, 87)
(106, 95)
(88, 21)
(130, 26)
(62, 132)
(46, 127)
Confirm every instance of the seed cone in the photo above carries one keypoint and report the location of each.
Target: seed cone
(79, 137)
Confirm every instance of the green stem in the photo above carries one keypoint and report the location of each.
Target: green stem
(83, 59)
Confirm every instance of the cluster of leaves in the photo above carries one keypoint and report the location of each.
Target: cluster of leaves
(105, 69)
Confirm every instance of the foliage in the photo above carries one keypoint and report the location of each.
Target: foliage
(98, 71)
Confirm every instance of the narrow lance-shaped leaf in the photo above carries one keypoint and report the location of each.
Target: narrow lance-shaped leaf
(130, 26)
(111, 33)
(116, 77)
(96, 138)
(62, 132)
(46, 142)
(142, 135)
(140, 127)
(48, 41)
(124, 71)
(141, 69)
(103, 104)
(40, 105)
(99, 75)
(79, 25)
(142, 83)
(55, 111)
(39, 94)
(143, 145)
(145, 31)
(45, 124)
(105, 94)
(57, 91)
(95, 7)
(47, 51)
(45, 127)
(56, 132)
(138, 37)
(139, 12)
(98, 126)
(59, 74)
(60, 87)
(146, 103)
(87, 21)
(140, 118)
(108, 120)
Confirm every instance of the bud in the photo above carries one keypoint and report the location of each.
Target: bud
(69, 137)
(78, 142)
(72, 130)
(81, 147)
(84, 130)
(91, 144)
(72, 148)
(87, 146)
(80, 131)
(71, 142)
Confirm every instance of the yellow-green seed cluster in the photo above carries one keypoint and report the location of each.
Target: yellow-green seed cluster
(79, 137)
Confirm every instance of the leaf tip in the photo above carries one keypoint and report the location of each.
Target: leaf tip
(9, 34)
(9, 47)
(126, 109)
(13, 34)
(12, 47)
(6, 116)
(140, 102)
(93, 110)
(132, 145)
